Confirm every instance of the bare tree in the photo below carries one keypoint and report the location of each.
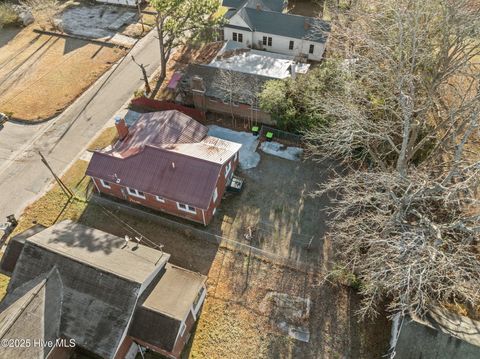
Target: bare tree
(406, 219)
(232, 86)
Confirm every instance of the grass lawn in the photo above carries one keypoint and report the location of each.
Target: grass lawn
(55, 206)
(106, 138)
(3, 285)
(40, 74)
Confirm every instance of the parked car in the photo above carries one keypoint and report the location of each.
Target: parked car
(3, 119)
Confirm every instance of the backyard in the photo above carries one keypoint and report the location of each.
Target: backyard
(254, 302)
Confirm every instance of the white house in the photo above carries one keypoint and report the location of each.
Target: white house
(255, 25)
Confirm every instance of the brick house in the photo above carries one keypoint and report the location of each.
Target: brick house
(94, 294)
(167, 161)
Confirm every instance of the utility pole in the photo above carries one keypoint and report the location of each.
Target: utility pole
(62, 185)
(140, 16)
(145, 76)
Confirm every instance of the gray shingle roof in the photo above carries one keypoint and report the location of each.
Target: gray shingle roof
(272, 5)
(98, 298)
(32, 312)
(211, 79)
(287, 25)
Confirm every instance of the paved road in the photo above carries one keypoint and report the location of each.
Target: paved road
(22, 176)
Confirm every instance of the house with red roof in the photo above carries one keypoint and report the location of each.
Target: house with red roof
(166, 161)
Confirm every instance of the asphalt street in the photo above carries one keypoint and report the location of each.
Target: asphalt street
(23, 177)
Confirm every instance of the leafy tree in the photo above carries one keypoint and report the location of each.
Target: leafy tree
(181, 21)
(294, 102)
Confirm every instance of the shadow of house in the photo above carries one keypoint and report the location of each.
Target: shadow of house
(440, 335)
(100, 283)
(8, 34)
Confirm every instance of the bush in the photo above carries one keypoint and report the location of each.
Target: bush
(8, 16)
(295, 104)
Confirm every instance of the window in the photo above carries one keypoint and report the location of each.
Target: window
(269, 41)
(135, 193)
(310, 50)
(105, 184)
(215, 195)
(290, 45)
(160, 199)
(227, 169)
(240, 37)
(234, 36)
(265, 40)
(186, 208)
(182, 329)
(197, 303)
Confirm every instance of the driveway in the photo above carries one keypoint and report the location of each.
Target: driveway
(22, 175)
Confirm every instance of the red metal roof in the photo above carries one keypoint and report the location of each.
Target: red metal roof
(145, 162)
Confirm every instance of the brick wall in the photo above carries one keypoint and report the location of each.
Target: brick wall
(204, 103)
(169, 205)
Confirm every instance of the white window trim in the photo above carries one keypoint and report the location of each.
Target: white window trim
(183, 327)
(200, 302)
(215, 195)
(188, 210)
(228, 169)
(135, 193)
(160, 199)
(105, 184)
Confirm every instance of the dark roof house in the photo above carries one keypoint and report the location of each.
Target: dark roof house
(87, 286)
(262, 24)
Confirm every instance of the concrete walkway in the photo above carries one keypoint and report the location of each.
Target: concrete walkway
(22, 175)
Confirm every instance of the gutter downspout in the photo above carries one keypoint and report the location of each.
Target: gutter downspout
(95, 183)
(203, 215)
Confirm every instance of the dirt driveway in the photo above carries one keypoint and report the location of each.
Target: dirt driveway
(40, 75)
(275, 211)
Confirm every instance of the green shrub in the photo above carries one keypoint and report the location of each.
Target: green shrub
(8, 16)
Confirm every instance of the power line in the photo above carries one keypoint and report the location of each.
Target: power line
(128, 226)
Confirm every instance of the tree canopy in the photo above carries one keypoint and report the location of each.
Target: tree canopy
(406, 217)
(181, 21)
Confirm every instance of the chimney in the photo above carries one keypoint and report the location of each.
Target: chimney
(259, 7)
(122, 128)
(197, 84)
(293, 70)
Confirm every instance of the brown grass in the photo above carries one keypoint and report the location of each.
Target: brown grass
(40, 75)
(108, 137)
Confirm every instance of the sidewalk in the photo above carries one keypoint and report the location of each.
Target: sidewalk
(22, 176)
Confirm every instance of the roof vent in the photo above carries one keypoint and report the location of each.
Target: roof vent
(173, 165)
